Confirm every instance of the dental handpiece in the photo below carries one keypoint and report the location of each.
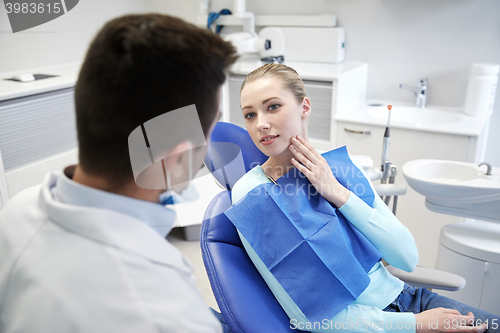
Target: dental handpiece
(387, 139)
(385, 147)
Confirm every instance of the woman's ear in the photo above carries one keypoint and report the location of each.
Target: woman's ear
(306, 108)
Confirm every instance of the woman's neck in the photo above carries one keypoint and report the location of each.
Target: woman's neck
(277, 166)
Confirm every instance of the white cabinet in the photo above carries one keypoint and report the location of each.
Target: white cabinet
(472, 250)
(407, 145)
(472, 270)
(37, 135)
(490, 299)
(37, 127)
(481, 289)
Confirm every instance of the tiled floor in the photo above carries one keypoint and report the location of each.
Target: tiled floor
(192, 251)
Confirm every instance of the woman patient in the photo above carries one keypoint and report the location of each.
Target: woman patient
(307, 271)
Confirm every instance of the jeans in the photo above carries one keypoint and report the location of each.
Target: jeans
(417, 300)
(225, 327)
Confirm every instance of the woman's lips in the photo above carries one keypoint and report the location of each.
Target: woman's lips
(270, 141)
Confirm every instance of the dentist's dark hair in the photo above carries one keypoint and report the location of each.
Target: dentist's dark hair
(139, 67)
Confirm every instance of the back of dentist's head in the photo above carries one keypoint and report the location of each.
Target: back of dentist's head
(287, 75)
(139, 67)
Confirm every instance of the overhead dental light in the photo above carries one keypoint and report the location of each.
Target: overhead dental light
(269, 43)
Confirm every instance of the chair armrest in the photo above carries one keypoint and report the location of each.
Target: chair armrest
(429, 278)
(374, 173)
(390, 189)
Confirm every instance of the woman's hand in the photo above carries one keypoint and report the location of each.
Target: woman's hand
(317, 170)
(447, 320)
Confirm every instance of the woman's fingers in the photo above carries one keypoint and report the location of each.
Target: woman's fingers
(308, 146)
(301, 158)
(306, 150)
(301, 167)
(308, 161)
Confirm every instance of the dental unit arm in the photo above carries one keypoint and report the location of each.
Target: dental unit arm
(387, 174)
(421, 276)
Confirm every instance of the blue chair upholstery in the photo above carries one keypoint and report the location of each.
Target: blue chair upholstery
(230, 144)
(245, 301)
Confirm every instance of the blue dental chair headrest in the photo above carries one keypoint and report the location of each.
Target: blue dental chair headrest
(231, 153)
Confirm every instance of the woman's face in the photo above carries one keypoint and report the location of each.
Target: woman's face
(272, 115)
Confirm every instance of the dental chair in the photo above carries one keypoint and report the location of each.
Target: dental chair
(245, 301)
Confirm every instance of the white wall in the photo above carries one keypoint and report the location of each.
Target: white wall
(401, 41)
(186, 9)
(62, 40)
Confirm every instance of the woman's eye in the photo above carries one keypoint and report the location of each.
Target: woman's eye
(250, 115)
(273, 107)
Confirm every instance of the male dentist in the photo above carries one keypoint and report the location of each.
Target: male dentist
(86, 250)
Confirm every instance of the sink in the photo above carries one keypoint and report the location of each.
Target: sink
(456, 188)
(450, 180)
(408, 114)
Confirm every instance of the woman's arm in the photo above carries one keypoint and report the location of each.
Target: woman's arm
(383, 230)
(362, 318)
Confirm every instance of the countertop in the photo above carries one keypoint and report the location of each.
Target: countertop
(66, 77)
(464, 125)
(192, 212)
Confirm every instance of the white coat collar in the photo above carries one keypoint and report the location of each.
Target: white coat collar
(153, 214)
(111, 227)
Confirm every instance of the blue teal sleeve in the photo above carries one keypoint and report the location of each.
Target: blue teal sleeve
(248, 182)
(384, 230)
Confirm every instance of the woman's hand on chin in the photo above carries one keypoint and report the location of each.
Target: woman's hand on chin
(317, 170)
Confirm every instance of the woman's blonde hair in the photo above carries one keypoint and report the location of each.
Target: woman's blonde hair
(290, 78)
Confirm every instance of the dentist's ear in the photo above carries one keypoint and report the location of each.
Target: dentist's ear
(179, 161)
(306, 107)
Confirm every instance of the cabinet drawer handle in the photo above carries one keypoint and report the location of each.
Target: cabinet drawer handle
(358, 132)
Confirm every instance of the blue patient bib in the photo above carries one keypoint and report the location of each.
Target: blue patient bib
(319, 258)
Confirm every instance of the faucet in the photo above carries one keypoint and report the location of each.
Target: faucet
(488, 166)
(420, 92)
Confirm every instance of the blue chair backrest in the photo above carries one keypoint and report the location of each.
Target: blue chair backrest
(243, 297)
(245, 301)
(231, 154)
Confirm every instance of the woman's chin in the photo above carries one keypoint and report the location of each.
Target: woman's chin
(273, 152)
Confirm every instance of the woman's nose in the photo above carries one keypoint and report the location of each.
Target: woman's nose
(262, 123)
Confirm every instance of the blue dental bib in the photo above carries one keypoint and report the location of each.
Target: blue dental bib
(319, 258)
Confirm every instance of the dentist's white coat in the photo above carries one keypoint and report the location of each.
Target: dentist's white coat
(70, 269)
